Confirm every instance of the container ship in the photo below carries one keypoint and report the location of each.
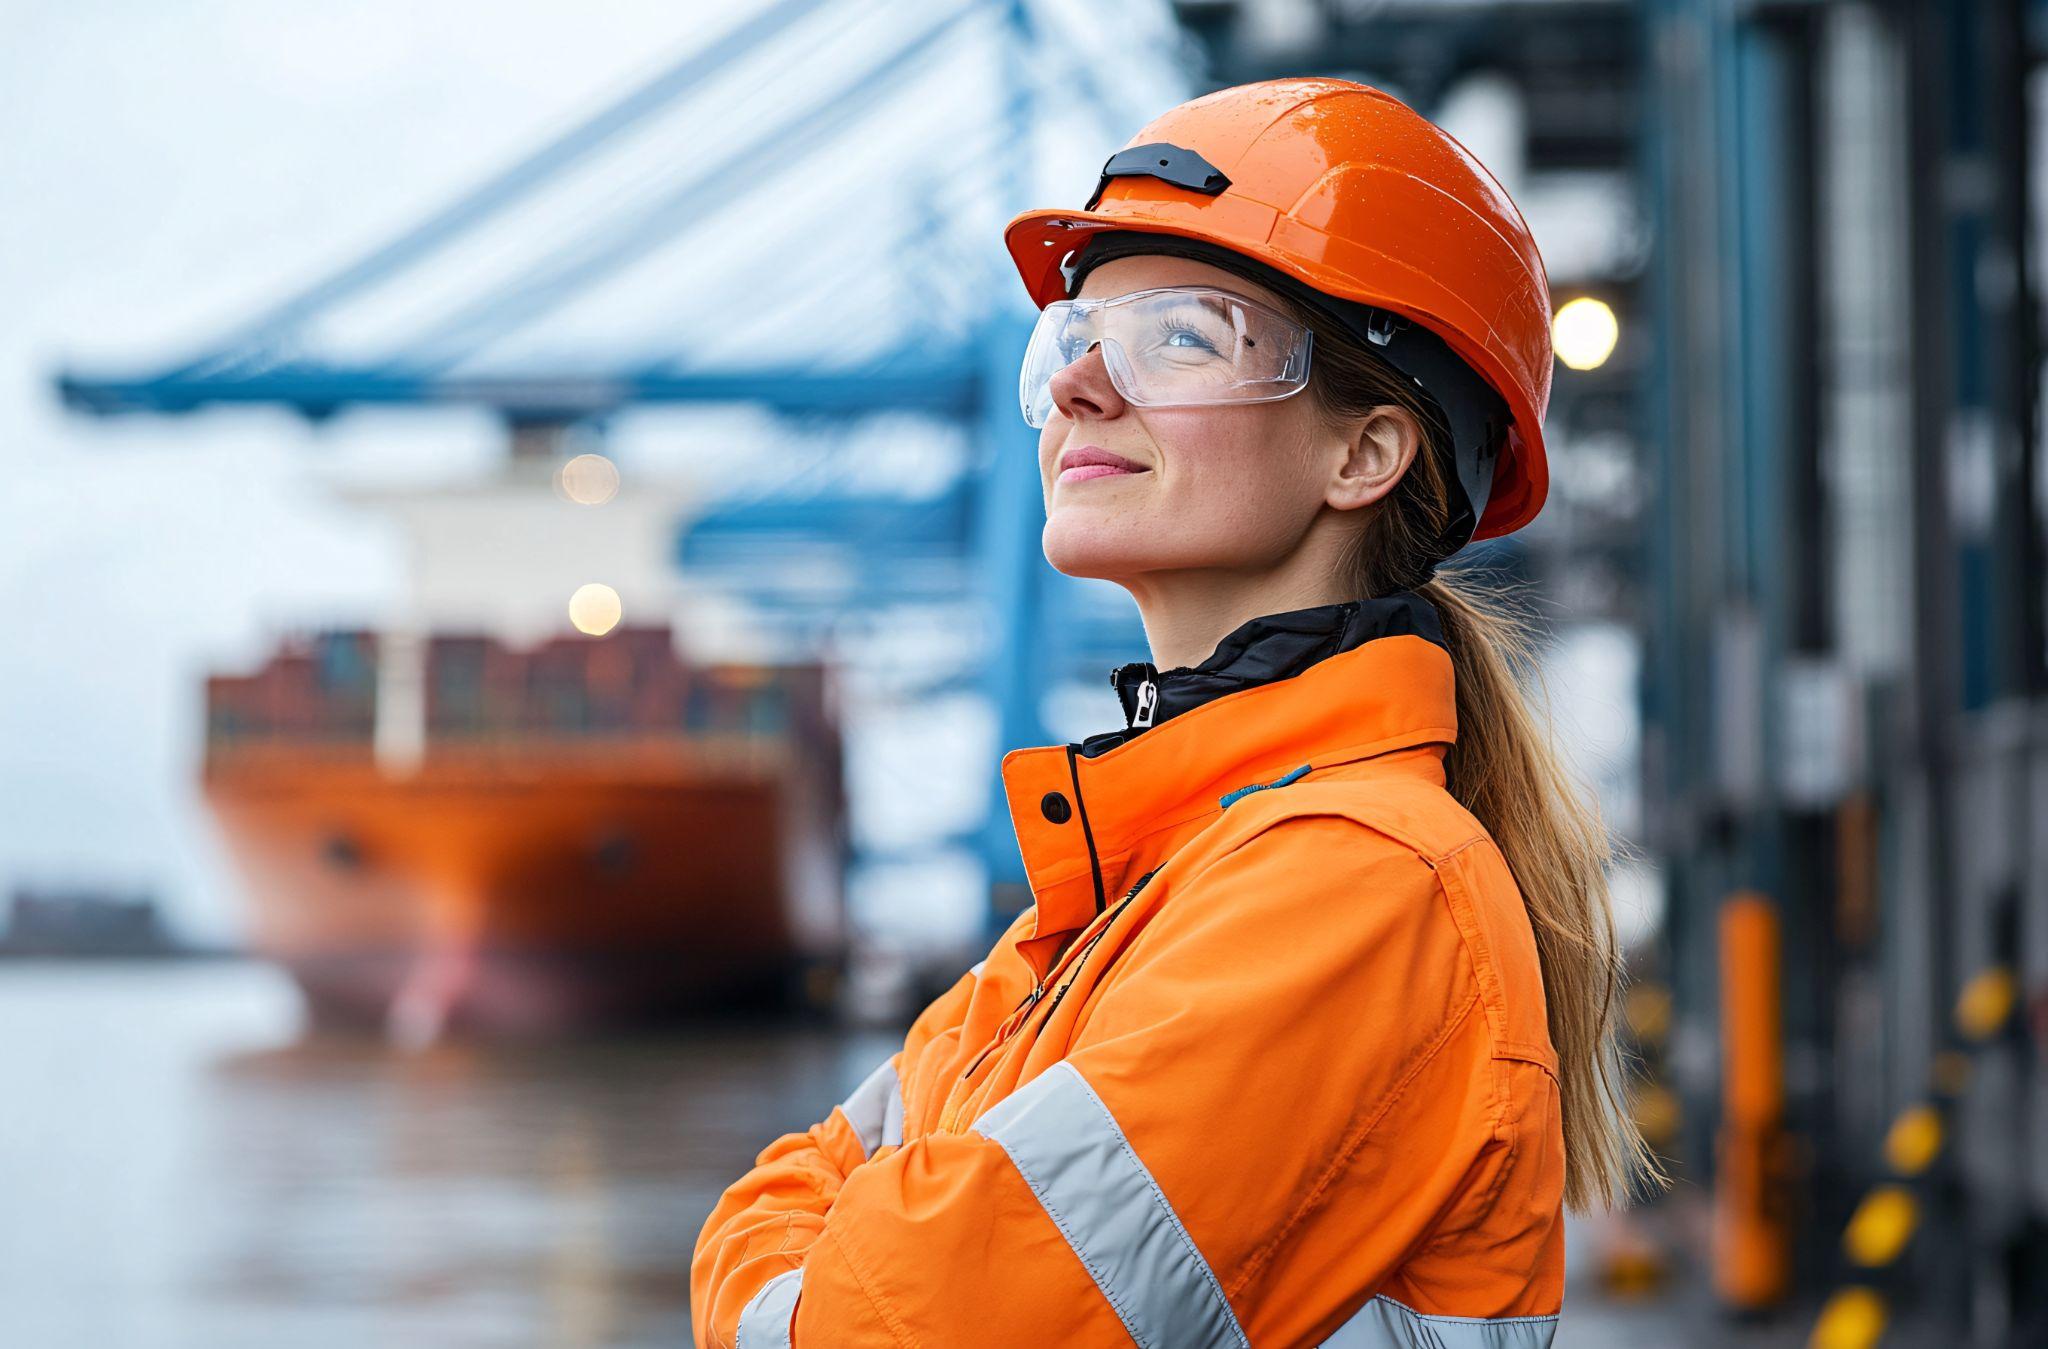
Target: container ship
(445, 833)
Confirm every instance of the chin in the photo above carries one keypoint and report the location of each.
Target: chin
(1093, 548)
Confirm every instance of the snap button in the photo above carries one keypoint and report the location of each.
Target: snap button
(1055, 808)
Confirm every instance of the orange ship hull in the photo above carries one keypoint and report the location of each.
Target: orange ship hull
(535, 889)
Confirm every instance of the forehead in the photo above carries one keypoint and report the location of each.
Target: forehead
(1144, 271)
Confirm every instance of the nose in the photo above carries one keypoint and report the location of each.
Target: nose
(1084, 389)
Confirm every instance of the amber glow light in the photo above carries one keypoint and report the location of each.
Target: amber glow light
(1584, 332)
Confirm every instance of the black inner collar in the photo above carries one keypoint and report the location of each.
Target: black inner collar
(1259, 651)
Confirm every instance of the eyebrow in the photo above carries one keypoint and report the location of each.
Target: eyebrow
(1218, 304)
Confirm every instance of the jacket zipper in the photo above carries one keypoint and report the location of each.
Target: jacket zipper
(1076, 956)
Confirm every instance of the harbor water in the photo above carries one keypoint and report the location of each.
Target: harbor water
(182, 1167)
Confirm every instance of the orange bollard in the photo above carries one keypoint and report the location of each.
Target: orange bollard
(1751, 1244)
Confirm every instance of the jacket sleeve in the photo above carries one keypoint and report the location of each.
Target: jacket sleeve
(1275, 1097)
(765, 1223)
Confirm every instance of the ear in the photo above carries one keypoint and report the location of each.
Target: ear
(1377, 449)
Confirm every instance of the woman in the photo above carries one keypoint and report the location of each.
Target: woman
(1307, 1036)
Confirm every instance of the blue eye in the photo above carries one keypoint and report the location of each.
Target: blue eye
(1195, 339)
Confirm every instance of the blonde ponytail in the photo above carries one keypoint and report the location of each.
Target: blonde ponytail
(1506, 770)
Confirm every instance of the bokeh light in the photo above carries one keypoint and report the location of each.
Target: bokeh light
(589, 479)
(1584, 332)
(595, 609)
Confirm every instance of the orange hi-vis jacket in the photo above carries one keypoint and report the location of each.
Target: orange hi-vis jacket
(1266, 1063)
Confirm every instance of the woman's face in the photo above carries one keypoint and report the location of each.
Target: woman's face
(1232, 486)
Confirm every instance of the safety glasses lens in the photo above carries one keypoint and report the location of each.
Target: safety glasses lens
(1171, 346)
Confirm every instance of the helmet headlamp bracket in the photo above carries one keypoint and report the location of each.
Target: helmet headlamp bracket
(1168, 163)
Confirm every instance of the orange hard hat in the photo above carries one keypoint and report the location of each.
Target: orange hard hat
(1351, 193)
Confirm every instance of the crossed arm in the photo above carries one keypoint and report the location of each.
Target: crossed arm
(766, 1222)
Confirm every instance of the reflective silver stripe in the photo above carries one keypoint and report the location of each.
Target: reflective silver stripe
(765, 1320)
(1386, 1324)
(1090, 1182)
(975, 968)
(876, 1107)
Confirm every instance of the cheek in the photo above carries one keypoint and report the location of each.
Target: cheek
(1245, 468)
(1233, 487)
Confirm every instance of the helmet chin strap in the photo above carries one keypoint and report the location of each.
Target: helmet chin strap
(1475, 416)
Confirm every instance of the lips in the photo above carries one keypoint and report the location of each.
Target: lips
(1094, 455)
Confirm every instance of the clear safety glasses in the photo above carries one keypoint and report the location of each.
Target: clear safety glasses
(1174, 346)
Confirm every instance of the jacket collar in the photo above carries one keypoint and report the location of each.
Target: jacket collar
(1259, 651)
(1318, 686)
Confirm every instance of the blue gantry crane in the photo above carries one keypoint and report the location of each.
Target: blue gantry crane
(802, 215)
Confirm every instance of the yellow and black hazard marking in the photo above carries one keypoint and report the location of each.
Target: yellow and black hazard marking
(1881, 1228)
